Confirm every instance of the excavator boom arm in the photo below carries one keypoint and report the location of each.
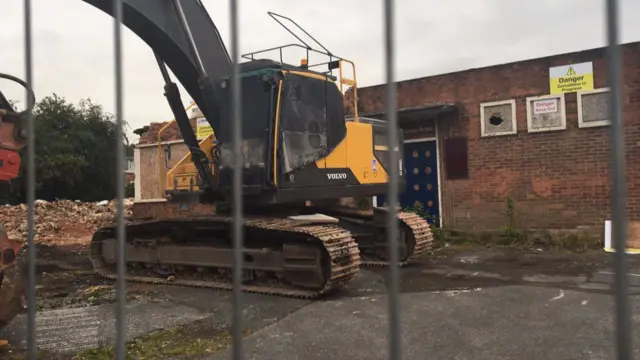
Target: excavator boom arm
(184, 39)
(159, 24)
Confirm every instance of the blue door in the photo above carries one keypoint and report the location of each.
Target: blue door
(422, 180)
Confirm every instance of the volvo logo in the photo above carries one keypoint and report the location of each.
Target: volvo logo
(337, 176)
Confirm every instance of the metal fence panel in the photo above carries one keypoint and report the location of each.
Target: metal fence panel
(392, 224)
(121, 295)
(31, 186)
(619, 193)
(614, 73)
(237, 184)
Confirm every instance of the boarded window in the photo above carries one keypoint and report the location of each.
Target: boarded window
(593, 108)
(456, 159)
(546, 113)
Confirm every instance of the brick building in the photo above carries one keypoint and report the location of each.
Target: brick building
(474, 138)
(150, 161)
(472, 145)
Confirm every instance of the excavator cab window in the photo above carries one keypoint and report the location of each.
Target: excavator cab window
(311, 121)
(259, 94)
(381, 147)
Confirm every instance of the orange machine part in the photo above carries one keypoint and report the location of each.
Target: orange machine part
(8, 250)
(9, 164)
(12, 281)
(9, 147)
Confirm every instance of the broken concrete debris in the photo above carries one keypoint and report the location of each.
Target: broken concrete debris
(60, 220)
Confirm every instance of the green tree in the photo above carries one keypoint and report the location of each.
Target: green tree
(75, 152)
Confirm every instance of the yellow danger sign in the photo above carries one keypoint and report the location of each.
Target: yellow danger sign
(203, 128)
(571, 78)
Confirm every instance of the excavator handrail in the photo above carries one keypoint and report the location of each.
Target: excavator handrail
(354, 85)
(251, 55)
(274, 15)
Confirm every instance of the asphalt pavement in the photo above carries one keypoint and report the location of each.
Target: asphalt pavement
(523, 322)
(479, 304)
(476, 305)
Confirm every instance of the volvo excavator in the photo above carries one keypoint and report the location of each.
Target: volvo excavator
(301, 157)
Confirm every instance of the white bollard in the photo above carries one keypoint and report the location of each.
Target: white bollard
(608, 241)
(607, 236)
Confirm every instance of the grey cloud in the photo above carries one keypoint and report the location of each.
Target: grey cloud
(73, 41)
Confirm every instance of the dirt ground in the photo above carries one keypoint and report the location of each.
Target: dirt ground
(65, 279)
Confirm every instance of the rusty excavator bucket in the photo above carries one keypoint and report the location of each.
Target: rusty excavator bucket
(12, 279)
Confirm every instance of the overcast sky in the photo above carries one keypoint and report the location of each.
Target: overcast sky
(73, 47)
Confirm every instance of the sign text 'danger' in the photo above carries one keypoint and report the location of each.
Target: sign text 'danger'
(545, 106)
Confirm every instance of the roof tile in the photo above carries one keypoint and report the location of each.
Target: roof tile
(171, 133)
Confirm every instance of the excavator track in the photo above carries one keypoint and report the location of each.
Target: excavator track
(301, 253)
(419, 238)
(369, 229)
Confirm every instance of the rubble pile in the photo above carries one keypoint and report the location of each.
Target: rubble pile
(60, 219)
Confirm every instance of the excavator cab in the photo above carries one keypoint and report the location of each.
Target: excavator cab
(295, 119)
(297, 144)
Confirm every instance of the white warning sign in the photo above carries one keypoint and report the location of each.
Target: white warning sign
(545, 106)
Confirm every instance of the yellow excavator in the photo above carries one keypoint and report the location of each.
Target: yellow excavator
(301, 157)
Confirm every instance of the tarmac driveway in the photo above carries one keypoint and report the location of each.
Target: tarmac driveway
(476, 304)
(492, 306)
(512, 322)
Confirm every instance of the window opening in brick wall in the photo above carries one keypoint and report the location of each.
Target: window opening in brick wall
(456, 161)
(593, 108)
(498, 118)
(130, 168)
(546, 113)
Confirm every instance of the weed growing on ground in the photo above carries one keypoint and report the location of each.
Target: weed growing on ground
(188, 342)
(433, 222)
(510, 234)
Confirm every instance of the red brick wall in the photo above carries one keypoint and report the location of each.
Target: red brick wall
(171, 133)
(558, 179)
(170, 210)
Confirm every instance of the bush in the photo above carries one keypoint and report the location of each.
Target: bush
(75, 148)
